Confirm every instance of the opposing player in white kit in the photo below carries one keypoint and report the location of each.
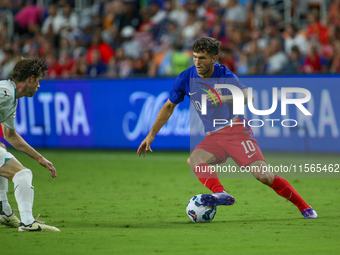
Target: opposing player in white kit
(25, 80)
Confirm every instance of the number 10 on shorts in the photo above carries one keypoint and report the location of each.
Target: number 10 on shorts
(248, 146)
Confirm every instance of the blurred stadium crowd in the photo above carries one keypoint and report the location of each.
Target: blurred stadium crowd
(128, 38)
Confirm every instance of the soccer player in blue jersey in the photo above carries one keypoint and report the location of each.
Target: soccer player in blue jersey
(234, 141)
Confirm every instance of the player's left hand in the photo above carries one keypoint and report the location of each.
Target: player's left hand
(49, 165)
(209, 98)
(224, 99)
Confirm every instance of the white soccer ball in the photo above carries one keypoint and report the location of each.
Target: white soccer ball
(198, 212)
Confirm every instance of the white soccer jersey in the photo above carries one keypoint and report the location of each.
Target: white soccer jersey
(8, 103)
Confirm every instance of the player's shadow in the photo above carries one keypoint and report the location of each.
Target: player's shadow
(248, 221)
(185, 224)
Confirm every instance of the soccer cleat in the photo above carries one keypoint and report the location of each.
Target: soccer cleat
(37, 226)
(219, 198)
(11, 221)
(309, 213)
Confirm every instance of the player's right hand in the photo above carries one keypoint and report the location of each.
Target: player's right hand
(49, 165)
(145, 145)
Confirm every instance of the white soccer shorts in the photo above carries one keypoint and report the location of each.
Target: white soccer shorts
(4, 156)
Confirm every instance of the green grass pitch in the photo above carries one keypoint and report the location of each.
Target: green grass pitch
(112, 202)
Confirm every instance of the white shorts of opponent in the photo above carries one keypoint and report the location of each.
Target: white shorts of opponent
(4, 156)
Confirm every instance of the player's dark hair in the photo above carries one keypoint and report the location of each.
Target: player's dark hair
(208, 44)
(26, 67)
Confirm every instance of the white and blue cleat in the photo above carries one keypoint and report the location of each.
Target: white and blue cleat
(309, 213)
(219, 198)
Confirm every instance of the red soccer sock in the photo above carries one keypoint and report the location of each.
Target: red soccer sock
(209, 179)
(282, 187)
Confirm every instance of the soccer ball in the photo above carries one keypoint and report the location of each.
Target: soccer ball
(198, 212)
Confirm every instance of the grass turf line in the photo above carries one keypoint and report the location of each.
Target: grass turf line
(111, 202)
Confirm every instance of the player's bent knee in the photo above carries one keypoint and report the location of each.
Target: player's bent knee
(3, 145)
(266, 178)
(200, 156)
(266, 181)
(10, 168)
(24, 174)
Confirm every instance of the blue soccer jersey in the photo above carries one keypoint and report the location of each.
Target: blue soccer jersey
(190, 84)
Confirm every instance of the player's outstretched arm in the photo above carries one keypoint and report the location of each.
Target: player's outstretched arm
(164, 114)
(20, 144)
